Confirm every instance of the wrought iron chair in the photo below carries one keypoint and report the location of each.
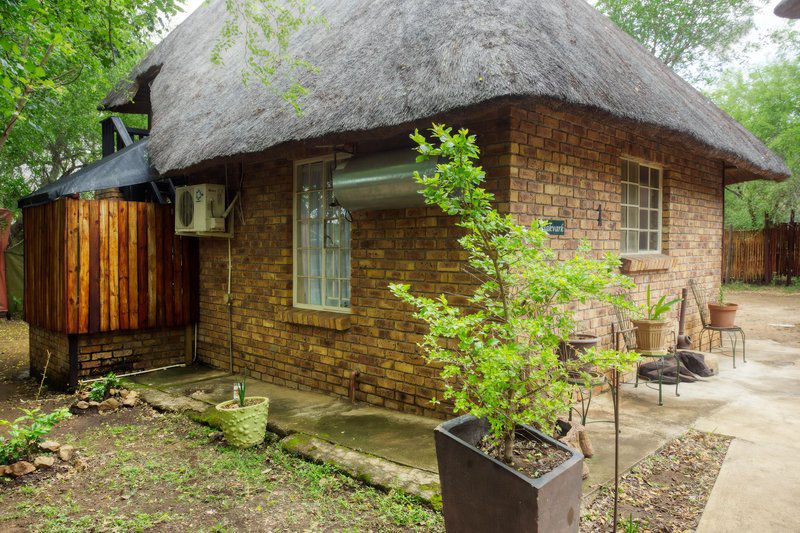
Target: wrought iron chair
(732, 331)
(624, 333)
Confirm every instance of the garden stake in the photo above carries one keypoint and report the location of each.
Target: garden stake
(615, 398)
(44, 373)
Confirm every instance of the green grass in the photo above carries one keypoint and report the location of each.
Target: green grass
(735, 286)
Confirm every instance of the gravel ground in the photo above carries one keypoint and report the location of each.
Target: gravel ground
(668, 491)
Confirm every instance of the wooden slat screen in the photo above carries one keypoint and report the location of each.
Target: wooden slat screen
(105, 265)
(759, 256)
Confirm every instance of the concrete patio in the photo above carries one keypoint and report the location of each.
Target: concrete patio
(756, 403)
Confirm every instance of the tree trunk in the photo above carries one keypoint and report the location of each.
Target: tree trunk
(508, 447)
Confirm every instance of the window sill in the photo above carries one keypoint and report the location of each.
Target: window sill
(318, 319)
(646, 263)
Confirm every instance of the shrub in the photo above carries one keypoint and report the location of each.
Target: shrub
(499, 353)
(100, 388)
(22, 437)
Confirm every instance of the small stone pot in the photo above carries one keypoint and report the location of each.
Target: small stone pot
(576, 345)
(651, 336)
(246, 426)
(723, 315)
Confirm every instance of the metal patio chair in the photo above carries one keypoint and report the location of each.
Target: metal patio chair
(624, 333)
(702, 307)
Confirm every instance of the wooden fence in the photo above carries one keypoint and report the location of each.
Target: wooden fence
(104, 265)
(761, 256)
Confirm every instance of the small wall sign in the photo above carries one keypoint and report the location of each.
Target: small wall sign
(554, 227)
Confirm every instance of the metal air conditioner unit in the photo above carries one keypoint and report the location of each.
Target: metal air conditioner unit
(200, 209)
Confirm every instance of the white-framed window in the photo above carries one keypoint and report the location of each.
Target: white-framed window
(641, 208)
(321, 240)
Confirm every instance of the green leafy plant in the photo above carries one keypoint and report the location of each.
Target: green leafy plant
(657, 310)
(721, 295)
(499, 352)
(100, 388)
(631, 525)
(240, 391)
(26, 432)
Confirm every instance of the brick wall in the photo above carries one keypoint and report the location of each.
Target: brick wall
(98, 354)
(541, 162)
(566, 163)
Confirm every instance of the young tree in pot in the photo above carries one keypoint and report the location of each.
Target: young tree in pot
(652, 332)
(499, 355)
(243, 420)
(722, 314)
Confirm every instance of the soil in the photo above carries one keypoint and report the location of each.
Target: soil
(667, 491)
(532, 457)
(234, 404)
(768, 314)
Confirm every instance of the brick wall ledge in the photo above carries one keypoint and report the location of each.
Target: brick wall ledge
(319, 319)
(646, 263)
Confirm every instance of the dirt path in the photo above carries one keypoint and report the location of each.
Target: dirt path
(768, 314)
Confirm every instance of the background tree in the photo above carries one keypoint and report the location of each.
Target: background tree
(46, 46)
(694, 37)
(767, 102)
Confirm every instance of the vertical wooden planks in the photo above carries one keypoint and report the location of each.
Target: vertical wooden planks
(83, 266)
(94, 267)
(133, 271)
(122, 252)
(113, 265)
(73, 250)
(152, 267)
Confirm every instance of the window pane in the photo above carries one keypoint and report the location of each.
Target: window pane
(302, 291)
(644, 197)
(643, 218)
(344, 263)
(315, 263)
(314, 233)
(623, 244)
(303, 181)
(331, 264)
(655, 178)
(316, 170)
(332, 234)
(633, 195)
(314, 291)
(644, 176)
(654, 198)
(624, 193)
(332, 293)
(624, 217)
(633, 217)
(654, 219)
(642, 241)
(633, 172)
(302, 263)
(303, 206)
(624, 170)
(654, 241)
(633, 241)
(345, 293)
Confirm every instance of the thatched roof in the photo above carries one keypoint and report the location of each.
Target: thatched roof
(389, 62)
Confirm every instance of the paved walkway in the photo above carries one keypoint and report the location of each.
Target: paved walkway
(758, 403)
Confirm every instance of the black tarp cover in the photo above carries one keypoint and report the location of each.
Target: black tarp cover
(129, 166)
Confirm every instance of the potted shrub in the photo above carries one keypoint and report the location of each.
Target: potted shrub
(652, 332)
(243, 420)
(499, 468)
(723, 314)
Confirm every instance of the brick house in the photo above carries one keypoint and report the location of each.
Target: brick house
(576, 122)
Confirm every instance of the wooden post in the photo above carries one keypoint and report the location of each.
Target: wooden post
(767, 251)
(791, 245)
(729, 256)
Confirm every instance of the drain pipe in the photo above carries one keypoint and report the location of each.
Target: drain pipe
(229, 301)
(353, 383)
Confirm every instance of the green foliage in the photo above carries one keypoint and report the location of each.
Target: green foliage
(26, 432)
(656, 311)
(100, 388)
(692, 36)
(631, 525)
(240, 392)
(47, 46)
(499, 352)
(766, 102)
(265, 27)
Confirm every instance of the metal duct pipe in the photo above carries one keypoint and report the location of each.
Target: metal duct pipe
(380, 181)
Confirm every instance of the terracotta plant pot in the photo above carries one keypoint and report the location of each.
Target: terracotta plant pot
(723, 315)
(244, 426)
(651, 336)
(480, 493)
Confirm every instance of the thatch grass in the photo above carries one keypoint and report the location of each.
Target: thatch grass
(388, 62)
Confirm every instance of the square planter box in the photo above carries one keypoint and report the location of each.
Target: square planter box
(482, 494)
